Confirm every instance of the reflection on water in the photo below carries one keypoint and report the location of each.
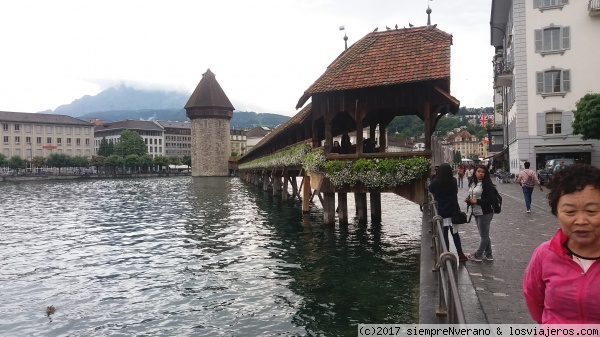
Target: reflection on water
(198, 257)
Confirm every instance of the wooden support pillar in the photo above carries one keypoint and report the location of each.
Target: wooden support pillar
(382, 138)
(329, 208)
(372, 132)
(276, 180)
(375, 201)
(427, 121)
(342, 209)
(295, 192)
(306, 194)
(284, 190)
(360, 115)
(361, 206)
(265, 181)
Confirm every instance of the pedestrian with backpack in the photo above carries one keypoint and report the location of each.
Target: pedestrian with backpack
(483, 200)
(528, 179)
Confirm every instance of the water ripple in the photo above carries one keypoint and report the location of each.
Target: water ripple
(188, 256)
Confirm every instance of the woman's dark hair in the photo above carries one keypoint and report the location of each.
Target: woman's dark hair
(445, 178)
(487, 180)
(571, 179)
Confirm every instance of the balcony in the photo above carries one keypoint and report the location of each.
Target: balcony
(503, 74)
(594, 7)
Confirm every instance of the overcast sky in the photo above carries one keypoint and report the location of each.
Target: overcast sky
(264, 53)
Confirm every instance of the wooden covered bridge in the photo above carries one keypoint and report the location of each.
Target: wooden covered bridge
(383, 75)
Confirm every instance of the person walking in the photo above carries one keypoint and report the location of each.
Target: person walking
(560, 283)
(480, 199)
(444, 190)
(469, 174)
(528, 179)
(460, 172)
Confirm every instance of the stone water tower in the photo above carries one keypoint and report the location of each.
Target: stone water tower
(210, 111)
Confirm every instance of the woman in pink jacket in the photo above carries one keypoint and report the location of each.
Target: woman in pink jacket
(562, 282)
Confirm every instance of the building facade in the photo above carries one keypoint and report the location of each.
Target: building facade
(152, 133)
(545, 61)
(238, 142)
(29, 135)
(178, 138)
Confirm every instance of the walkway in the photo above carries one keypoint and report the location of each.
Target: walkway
(514, 234)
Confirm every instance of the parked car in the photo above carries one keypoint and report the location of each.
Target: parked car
(545, 174)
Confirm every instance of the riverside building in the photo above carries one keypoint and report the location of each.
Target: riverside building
(546, 59)
(29, 135)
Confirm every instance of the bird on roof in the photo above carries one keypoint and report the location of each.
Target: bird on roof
(410, 24)
(434, 25)
(376, 28)
(387, 28)
(396, 26)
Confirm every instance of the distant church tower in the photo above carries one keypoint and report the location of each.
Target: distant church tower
(210, 111)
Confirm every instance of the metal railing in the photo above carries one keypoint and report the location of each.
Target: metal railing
(446, 266)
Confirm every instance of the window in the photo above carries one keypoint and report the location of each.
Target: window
(38, 140)
(87, 141)
(27, 128)
(77, 141)
(59, 141)
(68, 141)
(68, 130)
(38, 129)
(553, 82)
(28, 140)
(48, 140)
(6, 139)
(17, 139)
(552, 39)
(77, 130)
(59, 129)
(48, 129)
(549, 4)
(17, 127)
(4, 127)
(553, 123)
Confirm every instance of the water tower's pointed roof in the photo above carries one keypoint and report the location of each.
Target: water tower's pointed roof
(209, 94)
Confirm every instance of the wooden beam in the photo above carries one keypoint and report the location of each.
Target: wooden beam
(306, 195)
(342, 209)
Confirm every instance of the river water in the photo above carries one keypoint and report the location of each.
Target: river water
(186, 256)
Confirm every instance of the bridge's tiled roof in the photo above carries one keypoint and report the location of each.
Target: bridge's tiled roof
(387, 58)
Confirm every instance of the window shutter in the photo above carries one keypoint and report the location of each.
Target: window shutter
(538, 40)
(541, 124)
(540, 81)
(537, 3)
(567, 123)
(566, 80)
(566, 37)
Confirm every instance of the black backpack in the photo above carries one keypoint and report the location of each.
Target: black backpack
(497, 204)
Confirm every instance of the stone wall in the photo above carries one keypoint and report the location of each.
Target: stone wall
(211, 147)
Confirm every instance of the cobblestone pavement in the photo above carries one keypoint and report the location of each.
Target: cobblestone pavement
(514, 235)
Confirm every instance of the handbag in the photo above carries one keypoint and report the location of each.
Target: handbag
(459, 217)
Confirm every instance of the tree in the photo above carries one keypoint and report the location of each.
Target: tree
(16, 163)
(98, 161)
(161, 161)
(146, 161)
(130, 143)
(173, 160)
(132, 161)
(187, 160)
(38, 162)
(80, 161)
(587, 117)
(113, 161)
(2, 159)
(59, 160)
(105, 149)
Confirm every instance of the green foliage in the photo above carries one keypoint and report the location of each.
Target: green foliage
(114, 160)
(16, 163)
(413, 126)
(38, 162)
(146, 161)
(98, 161)
(80, 161)
(292, 156)
(132, 161)
(376, 173)
(59, 160)
(187, 160)
(161, 161)
(587, 117)
(105, 149)
(314, 161)
(2, 159)
(173, 160)
(130, 143)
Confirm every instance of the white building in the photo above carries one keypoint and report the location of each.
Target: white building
(546, 59)
(29, 135)
(152, 133)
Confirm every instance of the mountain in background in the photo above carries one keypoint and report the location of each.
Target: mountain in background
(119, 103)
